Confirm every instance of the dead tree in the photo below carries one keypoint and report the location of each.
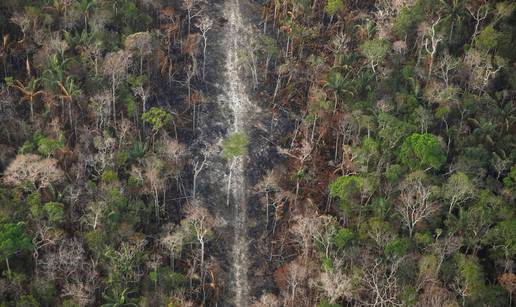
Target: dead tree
(434, 43)
(204, 25)
(115, 66)
(415, 202)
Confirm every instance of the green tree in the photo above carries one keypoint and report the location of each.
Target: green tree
(13, 239)
(503, 237)
(235, 145)
(54, 212)
(375, 51)
(115, 298)
(334, 7)
(86, 7)
(408, 18)
(470, 278)
(343, 238)
(489, 38)
(158, 118)
(422, 151)
(458, 189)
(339, 84)
(397, 247)
(350, 189)
(47, 146)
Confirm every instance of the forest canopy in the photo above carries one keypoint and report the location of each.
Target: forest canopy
(380, 169)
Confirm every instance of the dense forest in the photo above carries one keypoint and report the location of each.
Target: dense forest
(363, 153)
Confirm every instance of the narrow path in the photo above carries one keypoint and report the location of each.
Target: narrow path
(230, 112)
(239, 103)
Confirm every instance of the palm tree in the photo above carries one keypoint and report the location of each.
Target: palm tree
(116, 299)
(86, 6)
(69, 90)
(454, 13)
(29, 93)
(339, 84)
(55, 72)
(55, 75)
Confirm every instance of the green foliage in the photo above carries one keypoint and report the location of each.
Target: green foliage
(374, 226)
(235, 145)
(115, 298)
(409, 296)
(95, 241)
(375, 50)
(334, 7)
(488, 38)
(428, 266)
(471, 276)
(44, 145)
(34, 202)
(393, 173)
(169, 280)
(397, 247)
(158, 118)
(458, 188)
(9, 81)
(54, 212)
(132, 106)
(422, 151)
(423, 239)
(13, 239)
(44, 291)
(510, 180)
(503, 236)
(408, 18)
(109, 175)
(343, 238)
(347, 186)
(270, 45)
(70, 303)
(325, 303)
(27, 301)
(351, 190)
(392, 130)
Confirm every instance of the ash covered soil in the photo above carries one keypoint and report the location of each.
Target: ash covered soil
(234, 106)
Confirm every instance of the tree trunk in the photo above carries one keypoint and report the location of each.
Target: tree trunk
(7, 264)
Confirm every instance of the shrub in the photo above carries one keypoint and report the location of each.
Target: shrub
(235, 145)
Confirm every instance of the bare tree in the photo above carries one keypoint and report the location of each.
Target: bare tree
(34, 169)
(204, 24)
(431, 45)
(267, 300)
(201, 221)
(95, 213)
(447, 64)
(141, 45)
(198, 167)
(173, 240)
(381, 284)
(304, 230)
(481, 68)
(115, 66)
(143, 92)
(435, 296)
(479, 14)
(335, 283)
(415, 201)
(155, 179)
(100, 106)
(296, 275)
(191, 10)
